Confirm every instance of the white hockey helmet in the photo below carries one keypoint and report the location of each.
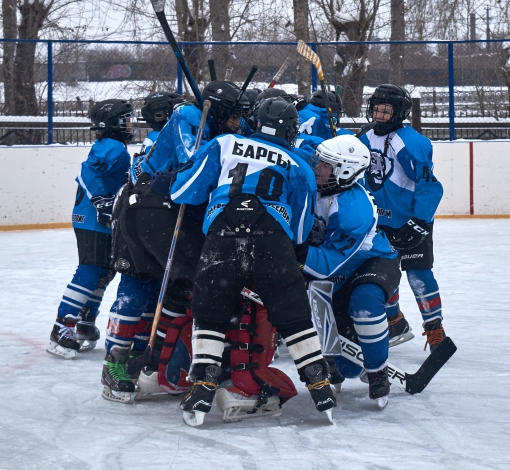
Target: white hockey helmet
(347, 157)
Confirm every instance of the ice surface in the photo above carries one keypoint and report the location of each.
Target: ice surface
(53, 416)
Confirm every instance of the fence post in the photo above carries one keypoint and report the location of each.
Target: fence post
(416, 111)
(451, 82)
(179, 74)
(50, 92)
(314, 72)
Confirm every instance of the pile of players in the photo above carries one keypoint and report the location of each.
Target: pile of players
(273, 201)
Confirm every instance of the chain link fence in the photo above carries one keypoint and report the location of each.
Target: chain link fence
(52, 106)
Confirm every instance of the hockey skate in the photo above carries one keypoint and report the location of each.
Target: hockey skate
(399, 330)
(199, 400)
(87, 334)
(379, 386)
(335, 379)
(63, 340)
(322, 394)
(236, 405)
(137, 360)
(117, 385)
(434, 332)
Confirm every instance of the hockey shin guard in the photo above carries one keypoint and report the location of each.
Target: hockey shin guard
(426, 292)
(366, 308)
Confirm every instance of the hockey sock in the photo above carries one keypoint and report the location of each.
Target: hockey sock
(83, 291)
(207, 347)
(367, 310)
(94, 302)
(143, 329)
(125, 314)
(426, 291)
(304, 348)
(392, 306)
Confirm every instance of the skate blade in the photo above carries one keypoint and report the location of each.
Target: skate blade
(56, 350)
(193, 419)
(337, 388)
(86, 345)
(381, 402)
(329, 414)
(401, 339)
(118, 397)
(142, 396)
(237, 409)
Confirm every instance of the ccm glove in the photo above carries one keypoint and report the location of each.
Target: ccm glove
(104, 207)
(410, 235)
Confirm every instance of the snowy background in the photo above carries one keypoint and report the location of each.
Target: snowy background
(53, 415)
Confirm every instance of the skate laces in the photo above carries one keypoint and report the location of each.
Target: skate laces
(66, 331)
(117, 371)
(433, 336)
(206, 384)
(397, 318)
(319, 384)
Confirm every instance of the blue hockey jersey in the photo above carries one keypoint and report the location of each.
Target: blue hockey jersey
(260, 165)
(347, 222)
(315, 122)
(136, 165)
(103, 173)
(176, 140)
(400, 176)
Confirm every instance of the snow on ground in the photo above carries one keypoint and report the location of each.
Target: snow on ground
(53, 415)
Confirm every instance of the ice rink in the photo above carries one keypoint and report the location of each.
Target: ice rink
(53, 415)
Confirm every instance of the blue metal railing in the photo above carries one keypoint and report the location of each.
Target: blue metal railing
(450, 47)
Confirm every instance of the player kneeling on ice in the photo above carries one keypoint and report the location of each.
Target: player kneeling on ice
(346, 248)
(261, 199)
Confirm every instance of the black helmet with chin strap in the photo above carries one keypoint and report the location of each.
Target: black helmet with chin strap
(158, 107)
(400, 100)
(110, 118)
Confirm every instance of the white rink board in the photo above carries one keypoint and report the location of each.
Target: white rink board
(37, 183)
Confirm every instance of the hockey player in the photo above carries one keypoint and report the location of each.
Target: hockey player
(407, 194)
(148, 215)
(101, 176)
(260, 202)
(132, 312)
(346, 248)
(314, 116)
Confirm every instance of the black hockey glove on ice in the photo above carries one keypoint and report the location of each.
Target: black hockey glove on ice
(104, 207)
(410, 235)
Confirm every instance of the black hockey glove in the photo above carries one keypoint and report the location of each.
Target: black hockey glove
(162, 181)
(410, 235)
(104, 207)
(317, 234)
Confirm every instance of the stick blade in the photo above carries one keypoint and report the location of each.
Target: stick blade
(416, 383)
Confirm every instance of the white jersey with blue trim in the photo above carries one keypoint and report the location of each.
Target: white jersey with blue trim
(176, 140)
(348, 222)
(400, 176)
(136, 166)
(103, 173)
(232, 164)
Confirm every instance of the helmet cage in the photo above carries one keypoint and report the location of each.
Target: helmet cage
(112, 118)
(346, 166)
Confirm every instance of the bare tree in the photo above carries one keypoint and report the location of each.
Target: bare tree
(301, 28)
(397, 51)
(351, 22)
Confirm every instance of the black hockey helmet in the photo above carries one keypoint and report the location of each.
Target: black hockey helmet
(158, 107)
(278, 118)
(335, 102)
(222, 96)
(112, 118)
(251, 94)
(400, 100)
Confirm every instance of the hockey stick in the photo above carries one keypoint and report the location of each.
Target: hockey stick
(411, 383)
(180, 216)
(212, 70)
(279, 74)
(243, 89)
(310, 55)
(159, 9)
